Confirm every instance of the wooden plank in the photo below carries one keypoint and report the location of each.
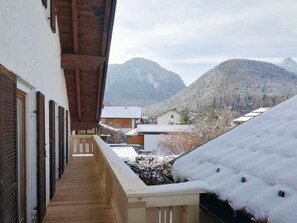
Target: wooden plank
(74, 25)
(152, 215)
(78, 94)
(167, 214)
(99, 90)
(176, 214)
(108, 187)
(81, 62)
(79, 196)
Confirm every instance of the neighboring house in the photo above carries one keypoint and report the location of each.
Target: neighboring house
(171, 117)
(123, 118)
(248, 116)
(152, 135)
(252, 168)
(51, 81)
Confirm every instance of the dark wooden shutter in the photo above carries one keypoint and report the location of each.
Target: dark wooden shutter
(52, 138)
(8, 147)
(53, 16)
(41, 184)
(61, 141)
(66, 141)
(44, 2)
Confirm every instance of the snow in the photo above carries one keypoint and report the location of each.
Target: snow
(121, 112)
(249, 165)
(164, 128)
(109, 127)
(243, 119)
(132, 133)
(125, 153)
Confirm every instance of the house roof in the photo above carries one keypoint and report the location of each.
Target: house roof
(171, 110)
(164, 128)
(85, 29)
(253, 166)
(121, 112)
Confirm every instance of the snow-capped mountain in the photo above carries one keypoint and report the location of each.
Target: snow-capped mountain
(289, 64)
(140, 81)
(243, 85)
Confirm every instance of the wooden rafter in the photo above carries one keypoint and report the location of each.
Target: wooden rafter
(81, 62)
(100, 71)
(76, 51)
(103, 52)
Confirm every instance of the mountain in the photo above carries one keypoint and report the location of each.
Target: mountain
(140, 81)
(242, 85)
(289, 64)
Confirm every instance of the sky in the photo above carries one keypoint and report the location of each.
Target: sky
(190, 37)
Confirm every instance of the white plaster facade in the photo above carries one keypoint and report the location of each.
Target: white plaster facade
(31, 50)
(171, 117)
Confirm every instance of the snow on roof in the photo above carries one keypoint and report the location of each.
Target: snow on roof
(242, 119)
(133, 132)
(257, 171)
(261, 110)
(164, 128)
(125, 153)
(252, 114)
(121, 112)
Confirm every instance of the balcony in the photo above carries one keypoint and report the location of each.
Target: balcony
(98, 186)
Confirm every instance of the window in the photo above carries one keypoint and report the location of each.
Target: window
(172, 116)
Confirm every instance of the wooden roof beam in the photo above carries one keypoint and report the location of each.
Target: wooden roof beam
(103, 67)
(81, 62)
(76, 51)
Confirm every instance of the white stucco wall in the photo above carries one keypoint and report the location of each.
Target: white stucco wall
(166, 119)
(31, 50)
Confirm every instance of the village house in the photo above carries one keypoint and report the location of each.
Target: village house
(171, 117)
(53, 63)
(123, 118)
(150, 136)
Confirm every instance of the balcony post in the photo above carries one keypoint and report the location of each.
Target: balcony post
(108, 187)
(136, 212)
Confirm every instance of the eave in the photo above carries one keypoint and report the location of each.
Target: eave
(85, 29)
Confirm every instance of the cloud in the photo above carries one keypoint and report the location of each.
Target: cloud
(183, 32)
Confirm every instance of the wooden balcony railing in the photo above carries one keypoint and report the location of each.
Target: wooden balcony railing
(132, 200)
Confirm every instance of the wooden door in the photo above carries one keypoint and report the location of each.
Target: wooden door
(52, 139)
(41, 180)
(66, 135)
(8, 147)
(61, 141)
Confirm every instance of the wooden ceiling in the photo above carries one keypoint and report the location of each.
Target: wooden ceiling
(85, 28)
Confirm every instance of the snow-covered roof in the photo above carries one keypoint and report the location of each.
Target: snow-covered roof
(261, 110)
(125, 153)
(252, 114)
(164, 128)
(121, 112)
(133, 132)
(242, 119)
(257, 171)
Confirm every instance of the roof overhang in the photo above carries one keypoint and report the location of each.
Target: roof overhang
(85, 29)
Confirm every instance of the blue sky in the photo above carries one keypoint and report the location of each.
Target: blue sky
(189, 37)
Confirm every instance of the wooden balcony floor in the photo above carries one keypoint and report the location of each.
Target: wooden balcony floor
(79, 195)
